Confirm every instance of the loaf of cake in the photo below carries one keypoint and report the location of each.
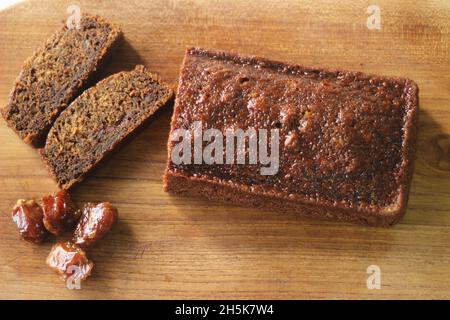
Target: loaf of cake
(99, 120)
(56, 74)
(346, 139)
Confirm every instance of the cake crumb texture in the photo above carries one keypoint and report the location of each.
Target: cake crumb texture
(56, 74)
(99, 120)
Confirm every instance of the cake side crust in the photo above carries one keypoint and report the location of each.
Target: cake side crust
(182, 185)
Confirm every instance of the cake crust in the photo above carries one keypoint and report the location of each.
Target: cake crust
(347, 139)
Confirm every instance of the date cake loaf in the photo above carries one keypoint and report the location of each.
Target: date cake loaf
(346, 139)
(56, 74)
(99, 120)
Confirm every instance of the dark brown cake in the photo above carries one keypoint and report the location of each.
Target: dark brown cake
(55, 75)
(347, 139)
(99, 120)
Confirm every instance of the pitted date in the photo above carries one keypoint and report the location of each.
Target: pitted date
(27, 215)
(68, 260)
(95, 222)
(60, 213)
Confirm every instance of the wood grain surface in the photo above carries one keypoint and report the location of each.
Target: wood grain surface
(171, 247)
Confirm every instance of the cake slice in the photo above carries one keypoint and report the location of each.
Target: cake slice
(99, 120)
(56, 74)
(346, 140)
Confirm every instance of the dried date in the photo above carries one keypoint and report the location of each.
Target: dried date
(95, 222)
(60, 213)
(68, 260)
(28, 215)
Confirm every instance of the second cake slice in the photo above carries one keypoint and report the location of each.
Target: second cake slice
(99, 120)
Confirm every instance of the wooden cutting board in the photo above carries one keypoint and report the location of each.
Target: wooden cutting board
(173, 247)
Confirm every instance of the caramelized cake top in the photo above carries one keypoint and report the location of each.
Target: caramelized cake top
(344, 136)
